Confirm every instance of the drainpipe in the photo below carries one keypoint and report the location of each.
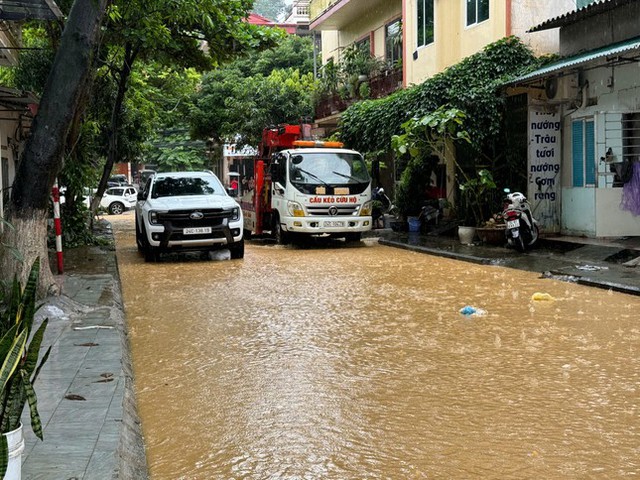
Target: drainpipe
(509, 15)
(405, 57)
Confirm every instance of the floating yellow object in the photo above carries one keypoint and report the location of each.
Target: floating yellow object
(542, 297)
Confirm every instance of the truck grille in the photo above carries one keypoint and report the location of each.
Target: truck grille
(343, 211)
(181, 218)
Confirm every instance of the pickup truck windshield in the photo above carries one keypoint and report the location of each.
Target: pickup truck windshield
(330, 168)
(186, 186)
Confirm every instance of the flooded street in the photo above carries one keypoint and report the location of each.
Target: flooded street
(355, 362)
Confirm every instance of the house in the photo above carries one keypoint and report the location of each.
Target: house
(422, 37)
(373, 26)
(18, 107)
(584, 122)
(416, 39)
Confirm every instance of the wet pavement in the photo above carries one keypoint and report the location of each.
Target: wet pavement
(592, 262)
(85, 391)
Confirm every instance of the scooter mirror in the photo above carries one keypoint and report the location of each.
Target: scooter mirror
(507, 190)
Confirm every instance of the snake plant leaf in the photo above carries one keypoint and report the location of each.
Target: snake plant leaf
(7, 341)
(42, 362)
(34, 349)
(15, 399)
(28, 304)
(4, 455)
(13, 358)
(14, 305)
(36, 423)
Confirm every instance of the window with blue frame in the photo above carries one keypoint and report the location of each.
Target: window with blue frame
(583, 153)
(425, 22)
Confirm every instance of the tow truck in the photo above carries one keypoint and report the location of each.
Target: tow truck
(298, 188)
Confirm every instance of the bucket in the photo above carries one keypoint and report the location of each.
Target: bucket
(414, 224)
(16, 447)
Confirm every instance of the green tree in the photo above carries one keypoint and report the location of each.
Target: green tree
(172, 33)
(231, 106)
(41, 159)
(255, 91)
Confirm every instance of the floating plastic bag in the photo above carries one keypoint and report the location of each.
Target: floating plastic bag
(469, 311)
(542, 297)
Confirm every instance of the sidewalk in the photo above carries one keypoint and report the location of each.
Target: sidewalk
(85, 390)
(593, 262)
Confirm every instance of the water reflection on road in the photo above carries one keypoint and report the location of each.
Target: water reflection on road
(351, 363)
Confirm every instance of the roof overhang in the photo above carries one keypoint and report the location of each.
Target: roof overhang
(621, 52)
(343, 12)
(19, 10)
(577, 15)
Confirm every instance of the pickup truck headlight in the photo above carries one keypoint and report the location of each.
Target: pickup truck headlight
(295, 209)
(153, 217)
(365, 210)
(235, 213)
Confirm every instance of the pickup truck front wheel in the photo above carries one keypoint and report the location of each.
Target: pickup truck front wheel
(237, 250)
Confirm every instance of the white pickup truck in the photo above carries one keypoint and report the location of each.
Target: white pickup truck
(181, 211)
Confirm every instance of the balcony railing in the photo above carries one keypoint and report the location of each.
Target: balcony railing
(380, 86)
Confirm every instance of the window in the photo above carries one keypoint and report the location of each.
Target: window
(583, 3)
(393, 42)
(477, 11)
(364, 45)
(583, 153)
(425, 22)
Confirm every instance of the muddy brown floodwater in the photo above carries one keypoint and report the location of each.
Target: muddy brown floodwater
(353, 363)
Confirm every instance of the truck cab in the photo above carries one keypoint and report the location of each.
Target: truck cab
(312, 189)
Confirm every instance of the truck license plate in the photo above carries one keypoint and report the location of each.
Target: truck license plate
(513, 224)
(196, 230)
(333, 224)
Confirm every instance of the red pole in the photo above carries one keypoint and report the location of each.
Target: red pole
(58, 226)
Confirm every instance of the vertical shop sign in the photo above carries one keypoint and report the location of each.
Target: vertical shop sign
(545, 151)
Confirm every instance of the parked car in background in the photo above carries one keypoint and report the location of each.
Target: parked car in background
(118, 180)
(118, 199)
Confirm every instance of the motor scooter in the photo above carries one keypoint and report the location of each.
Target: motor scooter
(521, 230)
(382, 206)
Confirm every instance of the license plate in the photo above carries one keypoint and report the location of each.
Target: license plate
(333, 224)
(196, 230)
(513, 224)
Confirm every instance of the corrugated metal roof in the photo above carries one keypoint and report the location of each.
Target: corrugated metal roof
(580, 14)
(633, 44)
(20, 10)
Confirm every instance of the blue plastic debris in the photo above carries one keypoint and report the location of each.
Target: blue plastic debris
(468, 310)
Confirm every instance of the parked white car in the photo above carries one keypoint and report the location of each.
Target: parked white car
(118, 199)
(187, 211)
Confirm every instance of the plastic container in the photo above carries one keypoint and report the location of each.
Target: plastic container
(414, 224)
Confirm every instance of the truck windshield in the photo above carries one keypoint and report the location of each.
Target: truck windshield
(186, 186)
(328, 168)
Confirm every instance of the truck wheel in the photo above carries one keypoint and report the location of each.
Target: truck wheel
(237, 250)
(353, 237)
(151, 254)
(116, 208)
(282, 237)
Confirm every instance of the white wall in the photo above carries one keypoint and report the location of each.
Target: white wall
(596, 212)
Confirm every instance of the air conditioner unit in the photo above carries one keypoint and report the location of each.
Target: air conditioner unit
(562, 89)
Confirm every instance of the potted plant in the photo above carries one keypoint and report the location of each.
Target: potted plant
(476, 195)
(492, 231)
(19, 352)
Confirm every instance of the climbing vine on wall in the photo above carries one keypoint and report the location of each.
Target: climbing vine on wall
(471, 85)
